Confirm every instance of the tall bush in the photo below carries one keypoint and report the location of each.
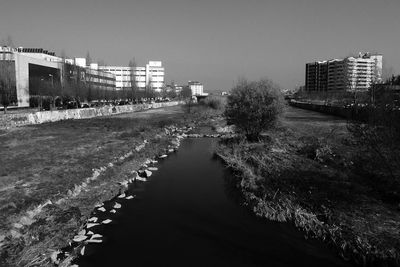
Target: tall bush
(378, 155)
(254, 107)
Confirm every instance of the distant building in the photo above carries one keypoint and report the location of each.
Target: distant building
(152, 75)
(37, 64)
(91, 75)
(196, 87)
(349, 74)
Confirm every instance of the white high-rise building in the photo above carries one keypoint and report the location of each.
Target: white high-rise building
(196, 88)
(351, 73)
(152, 76)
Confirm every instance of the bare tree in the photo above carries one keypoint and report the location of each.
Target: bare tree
(88, 58)
(7, 83)
(134, 88)
(7, 76)
(149, 90)
(7, 42)
(186, 94)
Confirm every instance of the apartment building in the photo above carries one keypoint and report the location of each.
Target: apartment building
(351, 73)
(152, 76)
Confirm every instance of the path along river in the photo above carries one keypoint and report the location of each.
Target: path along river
(190, 214)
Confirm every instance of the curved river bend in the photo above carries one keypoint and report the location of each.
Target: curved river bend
(189, 214)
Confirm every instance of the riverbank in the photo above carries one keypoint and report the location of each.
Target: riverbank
(54, 174)
(303, 172)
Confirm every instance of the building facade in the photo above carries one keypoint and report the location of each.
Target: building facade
(33, 66)
(151, 76)
(349, 74)
(196, 88)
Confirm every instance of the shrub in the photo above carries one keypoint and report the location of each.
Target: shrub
(378, 155)
(212, 102)
(254, 107)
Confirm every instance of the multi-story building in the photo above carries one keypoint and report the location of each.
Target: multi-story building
(31, 65)
(91, 75)
(196, 87)
(316, 76)
(151, 76)
(351, 73)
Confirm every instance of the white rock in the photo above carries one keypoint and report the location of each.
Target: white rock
(99, 205)
(144, 165)
(113, 211)
(170, 150)
(93, 219)
(123, 183)
(26, 220)
(148, 173)
(54, 256)
(82, 232)
(142, 179)
(147, 162)
(117, 205)
(122, 195)
(94, 241)
(18, 225)
(102, 209)
(90, 233)
(15, 234)
(107, 221)
(129, 197)
(163, 156)
(154, 161)
(83, 251)
(96, 236)
(153, 169)
(90, 225)
(79, 238)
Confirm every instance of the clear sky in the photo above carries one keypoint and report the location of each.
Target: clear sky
(213, 41)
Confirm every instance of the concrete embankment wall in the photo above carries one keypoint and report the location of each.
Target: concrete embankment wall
(360, 114)
(12, 120)
(331, 110)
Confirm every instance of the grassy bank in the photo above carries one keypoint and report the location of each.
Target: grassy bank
(52, 175)
(303, 172)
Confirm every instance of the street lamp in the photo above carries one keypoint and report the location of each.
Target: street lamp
(52, 80)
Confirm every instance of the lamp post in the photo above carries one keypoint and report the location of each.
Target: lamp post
(52, 91)
(52, 80)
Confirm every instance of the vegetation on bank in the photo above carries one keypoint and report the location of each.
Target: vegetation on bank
(253, 107)
(53, 161)
(326, 180)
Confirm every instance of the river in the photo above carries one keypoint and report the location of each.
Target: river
(189, 213)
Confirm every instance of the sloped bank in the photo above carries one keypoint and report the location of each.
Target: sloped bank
(266, 181)
(35, 237)
(12, 120)
(102, 213)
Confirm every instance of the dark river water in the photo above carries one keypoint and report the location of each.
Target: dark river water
(190, 214)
